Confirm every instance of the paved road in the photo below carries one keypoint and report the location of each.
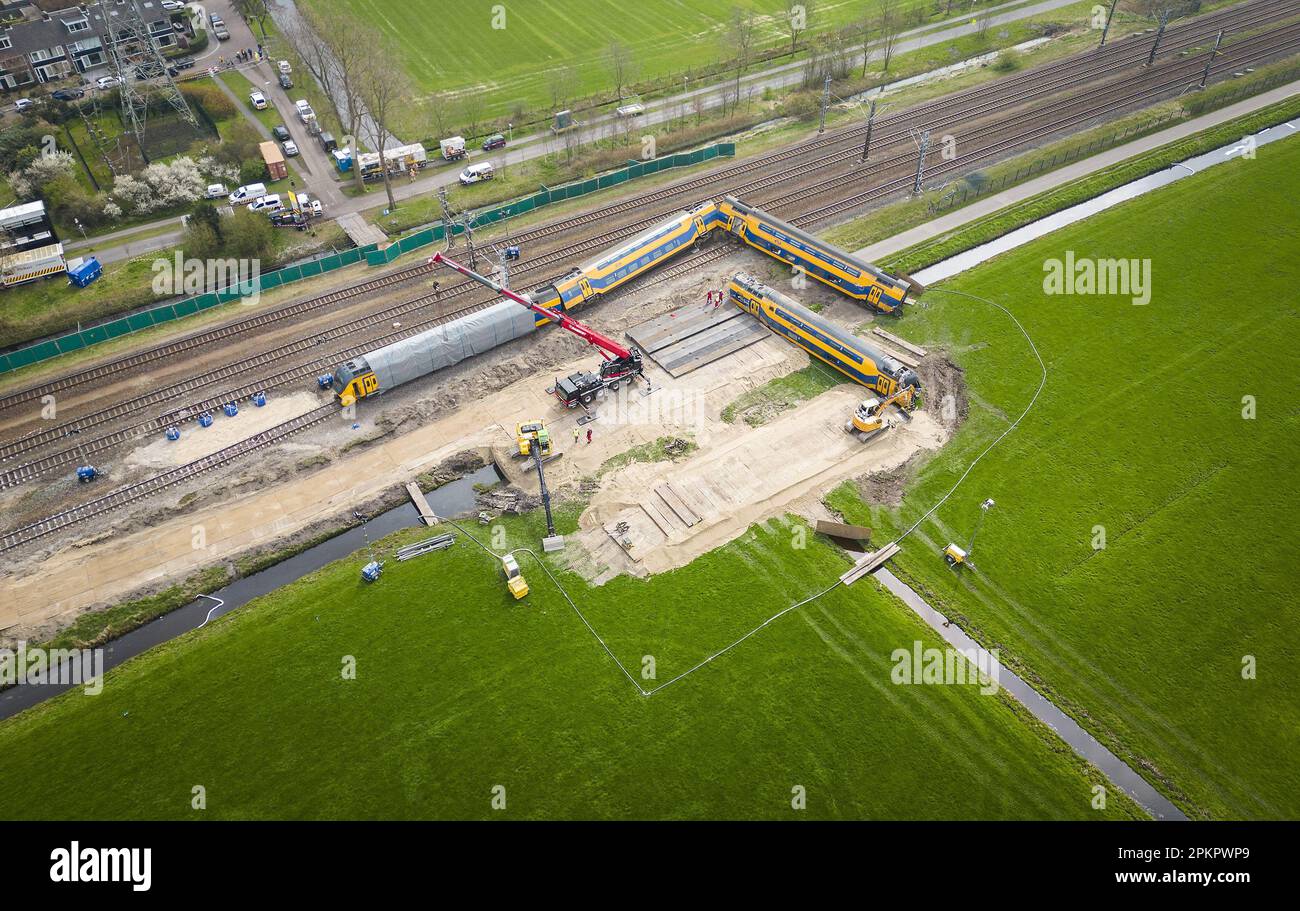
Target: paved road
(317, 165)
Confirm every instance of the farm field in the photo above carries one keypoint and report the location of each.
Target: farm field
(458, 49)
(1139, 435)
(458, 688)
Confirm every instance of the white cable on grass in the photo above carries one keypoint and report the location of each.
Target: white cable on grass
(1041, 383)
(838, 582)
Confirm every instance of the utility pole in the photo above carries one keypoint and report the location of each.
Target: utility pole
(1105, 31)
(826, 100)
(1164, 20)
(1217, 41)
(871, 116)
(920, 162)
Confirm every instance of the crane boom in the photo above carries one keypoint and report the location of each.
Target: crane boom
(608, 347)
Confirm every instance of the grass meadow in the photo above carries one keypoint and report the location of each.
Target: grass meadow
(1139, 436)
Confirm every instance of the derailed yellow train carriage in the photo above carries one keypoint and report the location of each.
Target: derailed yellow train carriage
(823, 261)
(822, 339)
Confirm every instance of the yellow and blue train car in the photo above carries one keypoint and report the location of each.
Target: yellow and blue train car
(628, 260)
(823, 261)
(822, 339)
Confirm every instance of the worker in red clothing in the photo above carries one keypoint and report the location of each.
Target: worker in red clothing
(588, 436)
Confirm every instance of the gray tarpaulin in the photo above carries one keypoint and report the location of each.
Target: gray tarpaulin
(450, 343)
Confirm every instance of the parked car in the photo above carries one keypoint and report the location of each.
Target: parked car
(280, 132)
(24, 104)
(266, 204)
(476, 172)
(68, 94)
(258, 100)
(328, 142)
(216, 191)
(285, 82)
(107, 82)
(304, 109)
(290, 148)
(247, 193)
(495, 141)
(172, 5)
(285, 69)
(219, 27)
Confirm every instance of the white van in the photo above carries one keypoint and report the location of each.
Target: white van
(247, 193)
(267, 205)
(476, 172)
(304, 109)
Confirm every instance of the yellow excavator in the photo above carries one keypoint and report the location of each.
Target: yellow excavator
(870, 419)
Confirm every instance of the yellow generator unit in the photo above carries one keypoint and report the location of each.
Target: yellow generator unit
(954, 555)
(532, 433)
(514, 579)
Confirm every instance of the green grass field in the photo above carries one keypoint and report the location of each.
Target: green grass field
(459, 688)
(458, 48)
(1139, 431)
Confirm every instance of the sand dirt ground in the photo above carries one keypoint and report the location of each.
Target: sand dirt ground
(732, 480)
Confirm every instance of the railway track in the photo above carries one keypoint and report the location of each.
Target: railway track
(38, 467)
(32, 442)
(1021, 87)
(1127, 90)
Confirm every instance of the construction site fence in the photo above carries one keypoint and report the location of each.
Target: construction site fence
(548, 195)
(371, 254)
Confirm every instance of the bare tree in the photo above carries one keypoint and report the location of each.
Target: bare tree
(621, 67)
(340, 54)
(386, 91)
(797, 13)
(739, 38)
(890, 24)
(473, 106)
(254, 11)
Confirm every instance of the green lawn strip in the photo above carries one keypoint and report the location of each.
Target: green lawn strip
(758, 406)
(1003, 222)
(459, 688)
(1139, 434)
(662, 449)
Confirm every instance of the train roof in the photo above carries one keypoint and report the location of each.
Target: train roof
(612, 256)
(787, 228)
(792, 307)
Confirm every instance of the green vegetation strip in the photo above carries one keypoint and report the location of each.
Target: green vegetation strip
(760, 405)
(917, 257)
(1136, 566)
(458, 688)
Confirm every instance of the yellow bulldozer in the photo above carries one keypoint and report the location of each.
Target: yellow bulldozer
(871, 419)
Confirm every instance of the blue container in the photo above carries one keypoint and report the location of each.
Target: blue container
(231, 409)
(259, 399)
(87, 473)
(370, 572)
(173, 433)
(205, 419)
(325, 381)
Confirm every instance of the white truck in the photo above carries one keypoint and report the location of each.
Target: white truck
(453, 149)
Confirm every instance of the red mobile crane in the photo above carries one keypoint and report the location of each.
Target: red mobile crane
(620, 363)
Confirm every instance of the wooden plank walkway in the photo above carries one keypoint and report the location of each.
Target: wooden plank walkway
(427, 515)
(677, 505)
(900, 342)
(692, 336)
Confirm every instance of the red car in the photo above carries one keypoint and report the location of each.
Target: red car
(495, 141)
